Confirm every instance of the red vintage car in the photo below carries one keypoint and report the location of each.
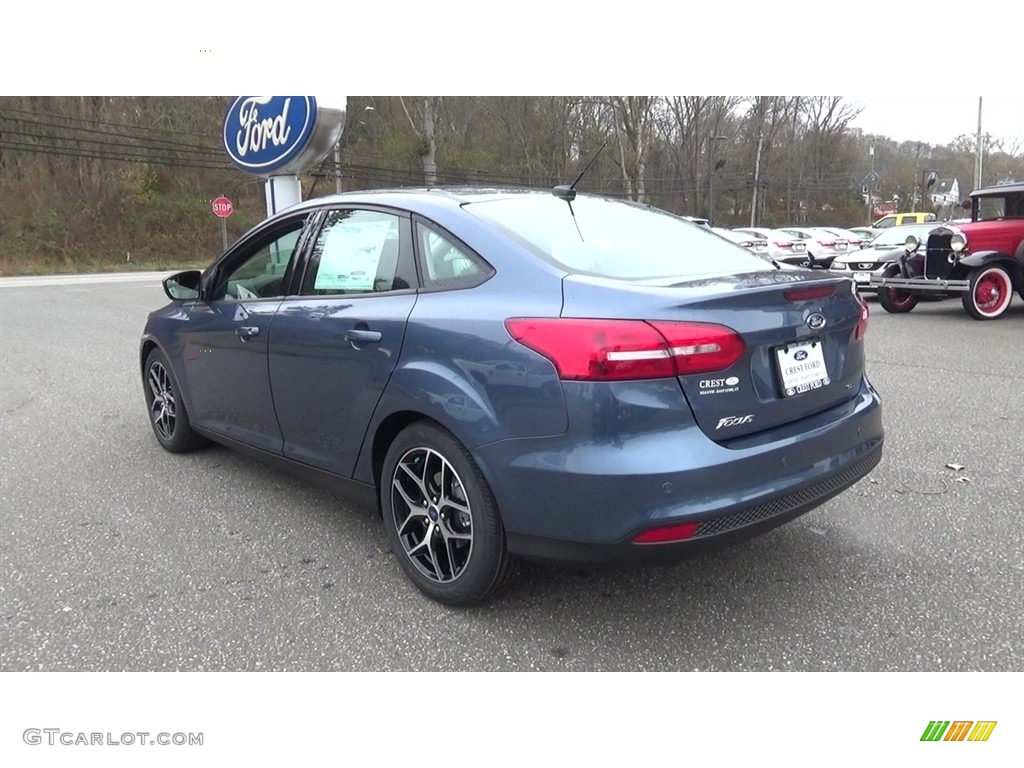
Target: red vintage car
(981, 260)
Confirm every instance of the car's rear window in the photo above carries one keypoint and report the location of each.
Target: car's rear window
(617, 239)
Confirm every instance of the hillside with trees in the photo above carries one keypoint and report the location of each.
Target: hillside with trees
(101, 183)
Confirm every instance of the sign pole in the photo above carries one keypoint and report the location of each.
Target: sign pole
(222, 208)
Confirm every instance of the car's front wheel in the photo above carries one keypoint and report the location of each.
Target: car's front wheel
(895, 300)
(441, 518)
(990, 292)
(167, 412)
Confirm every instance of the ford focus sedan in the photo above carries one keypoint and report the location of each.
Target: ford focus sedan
(509, 374)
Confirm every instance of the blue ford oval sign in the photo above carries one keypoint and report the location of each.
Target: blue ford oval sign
(264, 133)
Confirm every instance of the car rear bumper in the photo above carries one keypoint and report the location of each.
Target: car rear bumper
(713, 533)
(570, 499)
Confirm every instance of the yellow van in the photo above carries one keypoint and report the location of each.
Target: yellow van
(899, 219)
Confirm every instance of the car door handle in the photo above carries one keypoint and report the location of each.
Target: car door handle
(246, 332)
(362, 336)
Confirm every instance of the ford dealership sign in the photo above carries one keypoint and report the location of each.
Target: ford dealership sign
(279, 137)
(269, 135)
(263, 133)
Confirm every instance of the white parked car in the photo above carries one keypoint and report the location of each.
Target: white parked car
(855, 241)
(753, 244)
(782, 247)
(822, 246)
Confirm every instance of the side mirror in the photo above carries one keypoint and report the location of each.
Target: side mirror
(184, 285)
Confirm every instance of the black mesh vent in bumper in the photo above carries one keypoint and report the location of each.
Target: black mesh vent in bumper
(792, 501)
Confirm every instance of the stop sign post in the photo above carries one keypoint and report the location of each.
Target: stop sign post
(222, 208)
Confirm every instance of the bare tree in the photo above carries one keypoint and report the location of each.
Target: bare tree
(425, 132)
(631, 122)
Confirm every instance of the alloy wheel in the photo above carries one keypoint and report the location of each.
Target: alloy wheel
(161, 407)
(432, 514)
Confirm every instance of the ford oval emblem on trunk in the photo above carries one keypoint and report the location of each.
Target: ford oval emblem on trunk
(816, 321)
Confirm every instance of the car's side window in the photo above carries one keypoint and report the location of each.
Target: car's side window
(260, 275)
(444, 264)
(357, 252)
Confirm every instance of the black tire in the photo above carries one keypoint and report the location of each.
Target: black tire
(990, 293)
(459, 503)
(168, 415)
(895, 300)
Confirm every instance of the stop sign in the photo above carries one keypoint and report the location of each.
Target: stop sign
(222, 207)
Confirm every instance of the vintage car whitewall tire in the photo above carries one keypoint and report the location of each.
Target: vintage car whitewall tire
(990, 293)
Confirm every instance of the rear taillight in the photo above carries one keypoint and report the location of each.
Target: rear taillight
(826, 243)
(784, 245)
(620, 350)
(668, 533)
(807, 294)
(699, 347)
(862, 323)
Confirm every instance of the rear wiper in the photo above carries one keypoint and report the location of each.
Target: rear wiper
(568, 193)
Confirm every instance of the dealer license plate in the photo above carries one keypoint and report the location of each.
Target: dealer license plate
(802, 367)
(862, 277)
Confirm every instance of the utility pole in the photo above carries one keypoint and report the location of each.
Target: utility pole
(337, 167)
(711, 177)
(711, 181)
(978, 152)
(871, 182)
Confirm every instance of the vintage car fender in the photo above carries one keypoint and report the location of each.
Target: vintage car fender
(983, 258)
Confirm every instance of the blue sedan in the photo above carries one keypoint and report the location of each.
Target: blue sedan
(510, 374)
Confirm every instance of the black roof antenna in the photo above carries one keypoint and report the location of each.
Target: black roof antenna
(568, 193)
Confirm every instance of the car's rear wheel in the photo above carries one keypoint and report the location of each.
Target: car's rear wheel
(167, 412)
(895, 300)
(441, 518)
(990, 293)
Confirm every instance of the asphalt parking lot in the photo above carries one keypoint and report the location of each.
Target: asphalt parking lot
(119, 556)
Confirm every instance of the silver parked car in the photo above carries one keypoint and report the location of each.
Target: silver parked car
(782, 247)
(878, 254)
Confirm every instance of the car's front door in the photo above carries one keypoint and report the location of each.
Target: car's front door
(333, 348)
(225, 341)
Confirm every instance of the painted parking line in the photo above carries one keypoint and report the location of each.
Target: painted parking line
(38, 281)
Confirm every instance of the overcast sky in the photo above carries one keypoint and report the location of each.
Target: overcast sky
(940, 119)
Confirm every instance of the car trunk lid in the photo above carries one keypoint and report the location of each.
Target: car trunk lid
(800, 332)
